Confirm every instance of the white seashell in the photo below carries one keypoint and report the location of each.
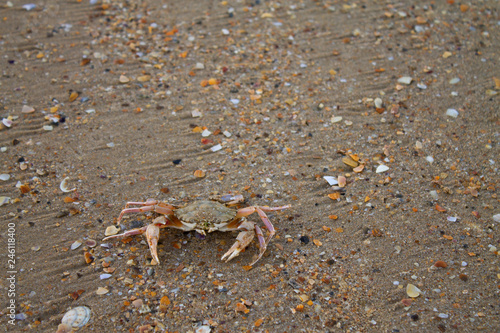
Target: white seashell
(335, 119)
(405, 80)
(412, 290)
(216, 148)
(64, 188)
(452, 113)
(77, 317)
(27, 109)
(7, 122)
(331, 180)
(382, 168)
(4, 176)
(4, 200)
(76, 245)
(206, 133)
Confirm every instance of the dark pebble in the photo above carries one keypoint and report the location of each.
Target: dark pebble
(304, 239)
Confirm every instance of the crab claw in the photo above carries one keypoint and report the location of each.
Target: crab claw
(152, 235)
(243, 240)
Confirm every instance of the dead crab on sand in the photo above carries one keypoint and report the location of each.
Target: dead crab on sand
(204, 216)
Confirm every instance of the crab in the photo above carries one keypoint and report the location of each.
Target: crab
(203, 216)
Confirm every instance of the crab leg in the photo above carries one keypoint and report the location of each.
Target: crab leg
(152, 233)
(148, 206)
(260, 210)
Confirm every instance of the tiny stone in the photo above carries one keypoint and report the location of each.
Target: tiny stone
(455, 80)
(378, 102)
(430, 159)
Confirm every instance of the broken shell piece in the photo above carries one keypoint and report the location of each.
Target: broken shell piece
(76, 245)
(27, 109)
(124, 79)
(350, 162)
(331, 180)
(101, 291)
(7, 122)
(4, 200)
(412, 290)
(77, 317)
(342, 181)
(111, 230)
(64, 328)
(382, 168)
(405, 80)
(63, 186)
(216, 148)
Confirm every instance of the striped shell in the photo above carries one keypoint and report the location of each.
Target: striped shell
(77, 317)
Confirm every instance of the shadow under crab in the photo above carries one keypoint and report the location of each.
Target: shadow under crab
(204, 216)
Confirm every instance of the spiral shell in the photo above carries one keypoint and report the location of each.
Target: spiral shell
(77, 317)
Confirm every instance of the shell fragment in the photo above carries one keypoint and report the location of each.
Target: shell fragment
(64, 188)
